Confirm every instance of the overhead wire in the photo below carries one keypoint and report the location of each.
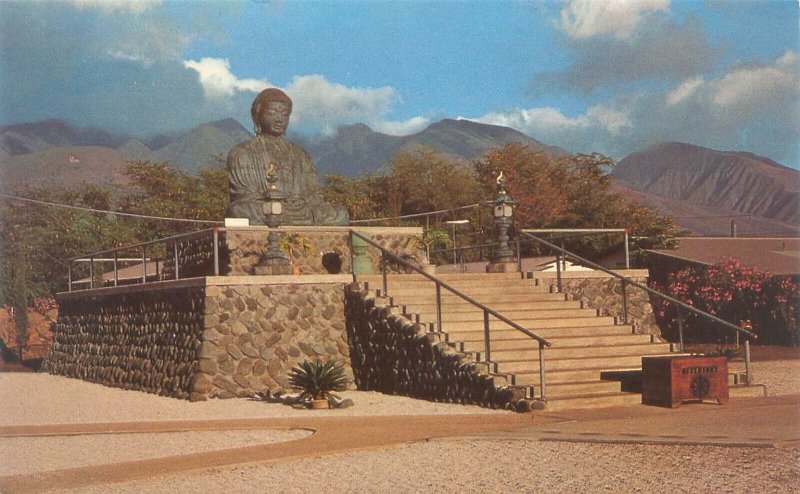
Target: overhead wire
(106, 211)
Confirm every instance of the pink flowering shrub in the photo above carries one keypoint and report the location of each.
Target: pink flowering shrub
(44, 304)
(733, 293)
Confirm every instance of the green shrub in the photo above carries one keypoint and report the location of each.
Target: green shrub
(318, 379)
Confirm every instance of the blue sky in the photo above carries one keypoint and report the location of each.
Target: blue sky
(611, 77)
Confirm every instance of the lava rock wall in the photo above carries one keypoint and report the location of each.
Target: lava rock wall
(390, 354)
(143, 340)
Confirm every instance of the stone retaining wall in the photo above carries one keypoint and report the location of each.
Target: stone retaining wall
(392, 355)
(200, 338)
(254, 334)
(244, 247)
(604, 292)
(143, 340)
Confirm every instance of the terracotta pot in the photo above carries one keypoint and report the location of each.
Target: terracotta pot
(319, 404)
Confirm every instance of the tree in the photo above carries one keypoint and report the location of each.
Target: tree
(360, 196)
(573, 191)
(52, 235)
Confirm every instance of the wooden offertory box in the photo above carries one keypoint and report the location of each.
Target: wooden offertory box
(669, 381)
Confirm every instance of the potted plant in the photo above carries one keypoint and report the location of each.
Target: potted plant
(317, 380)
(430, 238)
(292, 244)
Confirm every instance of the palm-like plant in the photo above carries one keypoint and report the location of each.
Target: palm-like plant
(318, 379)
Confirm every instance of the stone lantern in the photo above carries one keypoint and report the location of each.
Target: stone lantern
(273, 261)
(502, 257)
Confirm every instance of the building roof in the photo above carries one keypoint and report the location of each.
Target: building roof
(774, 255)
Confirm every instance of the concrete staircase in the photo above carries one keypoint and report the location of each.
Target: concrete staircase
(584, 343)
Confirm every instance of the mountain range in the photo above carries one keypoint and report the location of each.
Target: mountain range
(702, 188)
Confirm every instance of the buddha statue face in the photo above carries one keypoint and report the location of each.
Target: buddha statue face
(273, 118)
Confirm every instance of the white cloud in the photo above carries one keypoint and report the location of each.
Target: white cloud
(756, 86)
(684, 91)
(753, 107)
(401, 128)
(319, 105)
(541, 122)
(218, 81)
(581, 19)
(324, 105)
(117, 6)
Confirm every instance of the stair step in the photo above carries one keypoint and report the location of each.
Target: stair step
(447, 277)
(459, 334)
(473, 313)
(523, 341)
(745, 391)
(532, 324)
(530, 376)
(617, 399)
(557, 353)
(476, 290)
(422, 297)
(533, 306)
(574, 388)
(579, 363)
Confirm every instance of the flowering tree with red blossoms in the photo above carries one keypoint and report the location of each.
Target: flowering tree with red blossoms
(733, 293)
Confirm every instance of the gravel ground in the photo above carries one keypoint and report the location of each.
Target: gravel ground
(61, 400)
(435, 466)
(21, 455)
(503, 466)
(782, 377)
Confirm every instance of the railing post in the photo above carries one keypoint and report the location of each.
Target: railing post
(384, 262)
(680, 326)
(624, 302)
(91, 272)
(627, 252)
(216, 251)
(439, 307)
(541, 371)
(69, 276)
(175, 255)
(144, 264)
(747, 361)
(352, 257)
(519, 257)
(486, 343)
(558, 272)
(116, 271)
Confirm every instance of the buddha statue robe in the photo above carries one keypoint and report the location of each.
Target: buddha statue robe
(248, 163)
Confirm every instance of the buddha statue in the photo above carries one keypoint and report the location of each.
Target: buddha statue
(249, 162)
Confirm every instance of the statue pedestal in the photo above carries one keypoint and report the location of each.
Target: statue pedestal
(274, 266)
(502, 267)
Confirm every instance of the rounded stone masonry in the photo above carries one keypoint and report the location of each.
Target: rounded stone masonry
(243, 248)
(255, 333)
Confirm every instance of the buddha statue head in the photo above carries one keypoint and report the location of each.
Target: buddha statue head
(270, 112)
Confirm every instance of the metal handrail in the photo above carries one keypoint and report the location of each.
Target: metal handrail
(182, 236)
(386, 254)
(174, 239)
(681, 305)
(646, 288)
